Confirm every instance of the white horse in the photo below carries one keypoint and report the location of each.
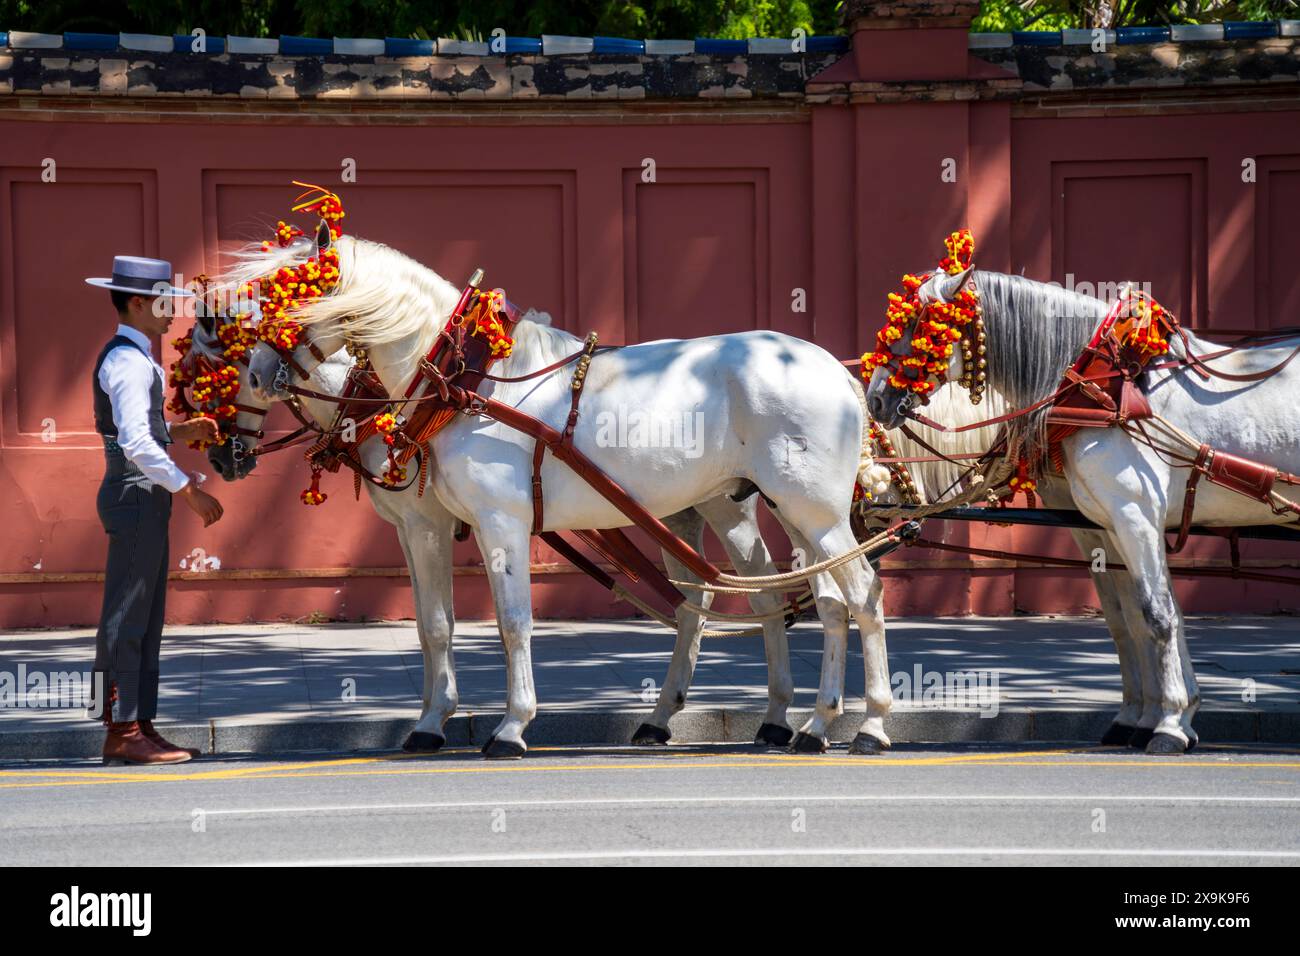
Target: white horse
(425, 530)
(1034, 331)
(768, 411)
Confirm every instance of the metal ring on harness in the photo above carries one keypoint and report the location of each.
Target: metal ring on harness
(281, 381)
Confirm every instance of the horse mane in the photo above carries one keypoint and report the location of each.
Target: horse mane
(949, 406)
(1034, 331)
(384, 296)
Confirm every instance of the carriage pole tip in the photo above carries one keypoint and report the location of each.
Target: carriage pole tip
(476, 278)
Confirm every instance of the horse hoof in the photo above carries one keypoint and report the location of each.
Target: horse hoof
(648, 735)
(503, 750)
(774, 735)
(1141, 737)
(865, 745)
(1117, 735)
(808, 744)
(1193, 738)
(1165, 744)
(422, 742)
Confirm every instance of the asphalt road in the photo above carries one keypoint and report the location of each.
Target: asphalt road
(707, 804)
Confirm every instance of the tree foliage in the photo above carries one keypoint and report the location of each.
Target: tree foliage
(998, 16)
(667, 19)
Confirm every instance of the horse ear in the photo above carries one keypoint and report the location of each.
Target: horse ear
(323, 237)
(946, 287)
(203, 316)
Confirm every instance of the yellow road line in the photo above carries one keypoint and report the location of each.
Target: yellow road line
(388, 765)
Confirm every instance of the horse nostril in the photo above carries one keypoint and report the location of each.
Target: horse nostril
(873, 405)
(253, 380)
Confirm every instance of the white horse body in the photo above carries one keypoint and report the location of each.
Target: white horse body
(772, 410)
(785, 400)
(1214, 412)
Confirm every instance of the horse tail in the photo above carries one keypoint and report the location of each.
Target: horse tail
(874, 479)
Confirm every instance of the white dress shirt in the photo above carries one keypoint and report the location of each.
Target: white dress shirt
(127, 376)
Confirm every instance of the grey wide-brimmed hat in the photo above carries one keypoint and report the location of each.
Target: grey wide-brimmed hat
(140, 276)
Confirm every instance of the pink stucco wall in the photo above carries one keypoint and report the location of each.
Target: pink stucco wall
(748, 206)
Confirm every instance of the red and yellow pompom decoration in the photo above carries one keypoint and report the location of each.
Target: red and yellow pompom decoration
(215, 385)
(1022, 482)
(290, 287)
(485, 322)
(961, 252)
(313, 495)
(323, 203)
(1144, 326)
(284, 234)
(394, 473)
(387, 424)
(936, 329)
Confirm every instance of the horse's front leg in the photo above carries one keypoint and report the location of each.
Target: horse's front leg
(503, 541)
(427, 545)
(736, 525)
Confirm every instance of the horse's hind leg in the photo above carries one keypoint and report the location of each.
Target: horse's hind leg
(1108, 582)
(1141, 546)
(853, 588)
(689, 526)
(864, 593)
(736, 525)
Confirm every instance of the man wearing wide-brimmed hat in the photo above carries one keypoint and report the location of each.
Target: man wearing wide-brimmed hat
(135, 506)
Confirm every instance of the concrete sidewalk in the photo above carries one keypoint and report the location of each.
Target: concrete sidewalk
(275, 688)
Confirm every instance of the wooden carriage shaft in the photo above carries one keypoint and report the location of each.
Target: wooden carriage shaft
(1066, 518)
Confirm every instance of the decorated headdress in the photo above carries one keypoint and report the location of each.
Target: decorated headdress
(936, 329)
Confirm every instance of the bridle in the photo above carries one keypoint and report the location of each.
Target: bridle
(197, 363)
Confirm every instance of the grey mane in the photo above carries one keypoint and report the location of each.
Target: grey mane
(1034, 332)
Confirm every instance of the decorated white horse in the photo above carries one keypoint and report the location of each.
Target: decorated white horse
(424, 521)
(772, 413)
(1031, 333)
(425, 530)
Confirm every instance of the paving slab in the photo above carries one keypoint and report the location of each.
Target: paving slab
(271, 687)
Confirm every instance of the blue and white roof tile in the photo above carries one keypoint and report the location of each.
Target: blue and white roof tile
(548, 45)
(1188, 33)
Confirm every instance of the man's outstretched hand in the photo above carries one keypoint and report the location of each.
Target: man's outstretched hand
(196, 429)
(201, 503)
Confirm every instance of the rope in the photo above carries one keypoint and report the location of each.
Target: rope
(737, 584)
(668, 622)
(989, 482)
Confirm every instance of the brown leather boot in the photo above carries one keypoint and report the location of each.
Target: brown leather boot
(126, 744)
(106, 717)
(147, 728)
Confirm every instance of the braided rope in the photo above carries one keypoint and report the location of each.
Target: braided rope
(668, 622)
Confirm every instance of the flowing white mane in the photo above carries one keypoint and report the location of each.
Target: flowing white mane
(950, 406)
(385, 296)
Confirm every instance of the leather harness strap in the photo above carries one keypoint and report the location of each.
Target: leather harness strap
(566, 436)
(1203, 457)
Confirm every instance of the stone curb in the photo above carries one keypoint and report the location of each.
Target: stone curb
(1009, 725)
